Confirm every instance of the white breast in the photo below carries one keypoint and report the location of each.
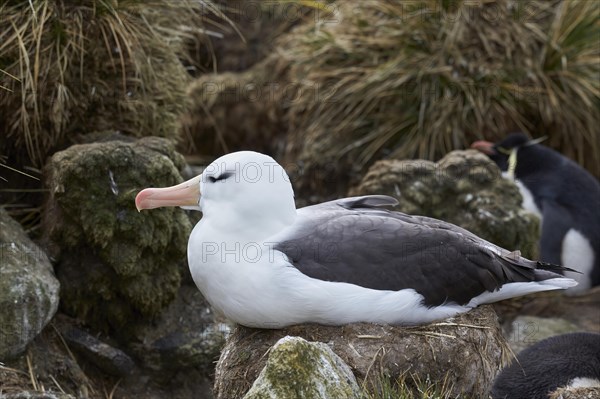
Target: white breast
(577, 253)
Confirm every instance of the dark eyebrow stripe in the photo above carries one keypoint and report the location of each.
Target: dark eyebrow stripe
(223, 176)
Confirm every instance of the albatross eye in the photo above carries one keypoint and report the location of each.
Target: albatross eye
(223, 176)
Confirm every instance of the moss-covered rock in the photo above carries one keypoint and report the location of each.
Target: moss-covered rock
(300, 369)
(118, 267)
(28, 288)
(464, 188)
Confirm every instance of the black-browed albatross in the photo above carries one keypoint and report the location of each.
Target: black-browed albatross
(264, 263)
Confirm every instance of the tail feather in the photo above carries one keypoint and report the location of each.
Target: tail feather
(554, 268)
(531, 270)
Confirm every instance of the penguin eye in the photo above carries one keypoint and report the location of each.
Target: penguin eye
(222, 176)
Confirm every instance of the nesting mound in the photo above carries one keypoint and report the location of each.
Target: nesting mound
(91, 65)
(418, 79)
(117, 267)
(463, 353)
(464, 188)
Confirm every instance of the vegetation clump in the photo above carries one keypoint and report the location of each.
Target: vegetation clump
(76, 67)
(420, 78)
(118, 268)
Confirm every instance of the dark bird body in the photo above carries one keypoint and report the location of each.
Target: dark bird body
(560, 361)
(564, 195)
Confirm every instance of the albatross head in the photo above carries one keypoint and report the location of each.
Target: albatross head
(243, 185)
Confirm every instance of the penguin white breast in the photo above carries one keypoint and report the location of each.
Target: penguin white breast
(577, 253)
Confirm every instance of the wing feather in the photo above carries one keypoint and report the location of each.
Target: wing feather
(355, 241)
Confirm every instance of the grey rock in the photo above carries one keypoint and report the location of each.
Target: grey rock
(465, 188)
(464, 352)
(29, 291)
(580, 310)
(109, 359)
(118, 267)
(529, 330)
(300, 369)
(184, 336)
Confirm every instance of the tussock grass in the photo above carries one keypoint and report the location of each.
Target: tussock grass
(75, 67)
(413, 79)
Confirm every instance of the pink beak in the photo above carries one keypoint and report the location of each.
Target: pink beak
(184, 194)
(484, 146)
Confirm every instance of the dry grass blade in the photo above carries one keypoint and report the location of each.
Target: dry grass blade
(17, 171)
(32, 377)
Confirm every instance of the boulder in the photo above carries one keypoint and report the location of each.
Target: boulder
(575, 310)
(464, 352)
(529, 330)
(184, 336)
(107, 358)
(465, 188)
(117, 267)
(300, 369)
(29, 291)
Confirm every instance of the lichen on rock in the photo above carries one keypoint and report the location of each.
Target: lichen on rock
(117, 266)
(297, 368)
(464, 188)
(29, 291)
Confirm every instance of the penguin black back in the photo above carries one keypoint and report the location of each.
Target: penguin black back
(555, 362)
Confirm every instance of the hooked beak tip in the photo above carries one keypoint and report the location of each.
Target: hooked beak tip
(141, 199)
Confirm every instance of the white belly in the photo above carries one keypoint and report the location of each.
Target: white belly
(577, 253)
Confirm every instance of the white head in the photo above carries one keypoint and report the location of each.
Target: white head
(243, 190)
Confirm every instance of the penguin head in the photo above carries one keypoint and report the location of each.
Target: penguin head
(502, 151)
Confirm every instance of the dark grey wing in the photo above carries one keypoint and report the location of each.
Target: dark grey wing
(352, 241)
